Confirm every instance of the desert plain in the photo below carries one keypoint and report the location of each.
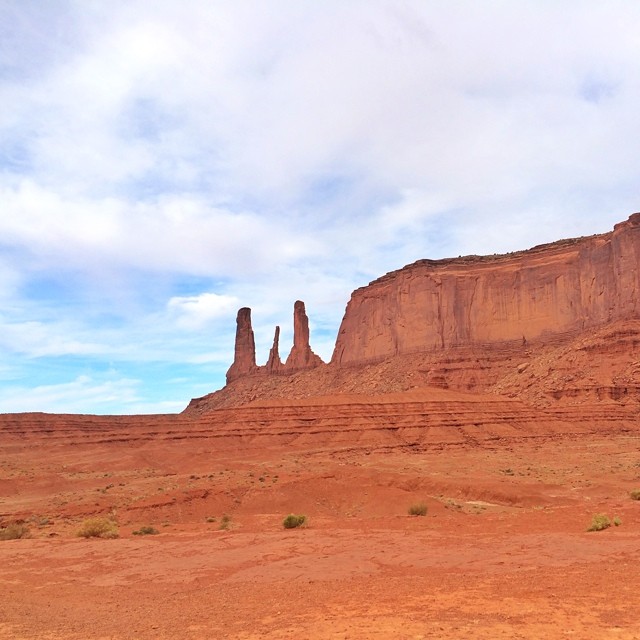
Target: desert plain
(502, 552)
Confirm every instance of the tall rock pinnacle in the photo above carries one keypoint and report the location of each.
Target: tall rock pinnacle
(274, 363)
(244, 362)
(301, 356)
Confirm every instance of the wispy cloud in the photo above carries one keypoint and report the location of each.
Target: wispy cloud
(197, 311)
(72, 397)
(35, 339)
(161, 166)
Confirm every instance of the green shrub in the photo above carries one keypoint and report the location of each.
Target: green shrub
(225, 521)
(292, 521)
(635, 494)
(599, 522)
(617, 521)
(146, 531)
(419, 509)
(98, 528)
(14, 531)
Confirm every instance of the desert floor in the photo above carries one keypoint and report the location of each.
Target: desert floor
(503, 551)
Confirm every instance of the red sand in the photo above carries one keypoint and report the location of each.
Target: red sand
(502, 553)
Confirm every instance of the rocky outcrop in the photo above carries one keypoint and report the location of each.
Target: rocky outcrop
(548, 293)
(301, 356)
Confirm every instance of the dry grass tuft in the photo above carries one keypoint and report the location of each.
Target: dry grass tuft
(98, 528)
(599, 522)
(14, 531)
(146, 531)
(292, 521)
(419, 509)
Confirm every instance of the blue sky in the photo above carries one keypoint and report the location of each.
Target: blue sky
(163, 164)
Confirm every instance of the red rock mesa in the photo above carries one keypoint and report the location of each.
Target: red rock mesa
(548, 291)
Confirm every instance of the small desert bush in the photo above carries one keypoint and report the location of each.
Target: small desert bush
(617, 521)
(98, 528)
(635, 494)
(599, 522)
(225, 521)
(292, 521)
(146, 531)
(14, 532)
(419, 509)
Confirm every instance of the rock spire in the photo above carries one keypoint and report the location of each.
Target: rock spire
(274, 364)
(301, 356)
(244, 361)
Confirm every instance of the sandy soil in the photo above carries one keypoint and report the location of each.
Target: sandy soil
(503, 551)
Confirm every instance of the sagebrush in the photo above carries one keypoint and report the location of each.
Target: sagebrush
(14, 531)
(146, 531)
(293, 521)
(419, 509)
(98, 528)
(599, 522)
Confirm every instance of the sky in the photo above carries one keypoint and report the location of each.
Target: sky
(164, 163)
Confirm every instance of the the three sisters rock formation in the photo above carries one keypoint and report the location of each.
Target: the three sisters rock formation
(301, 356)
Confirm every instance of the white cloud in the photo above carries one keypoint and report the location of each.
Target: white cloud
(179, 233)
(10, 280)
(77, 396)
(39, 339)
(196, 311)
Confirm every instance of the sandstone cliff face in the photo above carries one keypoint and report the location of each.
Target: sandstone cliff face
(531, 296)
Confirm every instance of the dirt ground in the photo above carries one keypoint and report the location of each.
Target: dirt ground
(503, 551)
